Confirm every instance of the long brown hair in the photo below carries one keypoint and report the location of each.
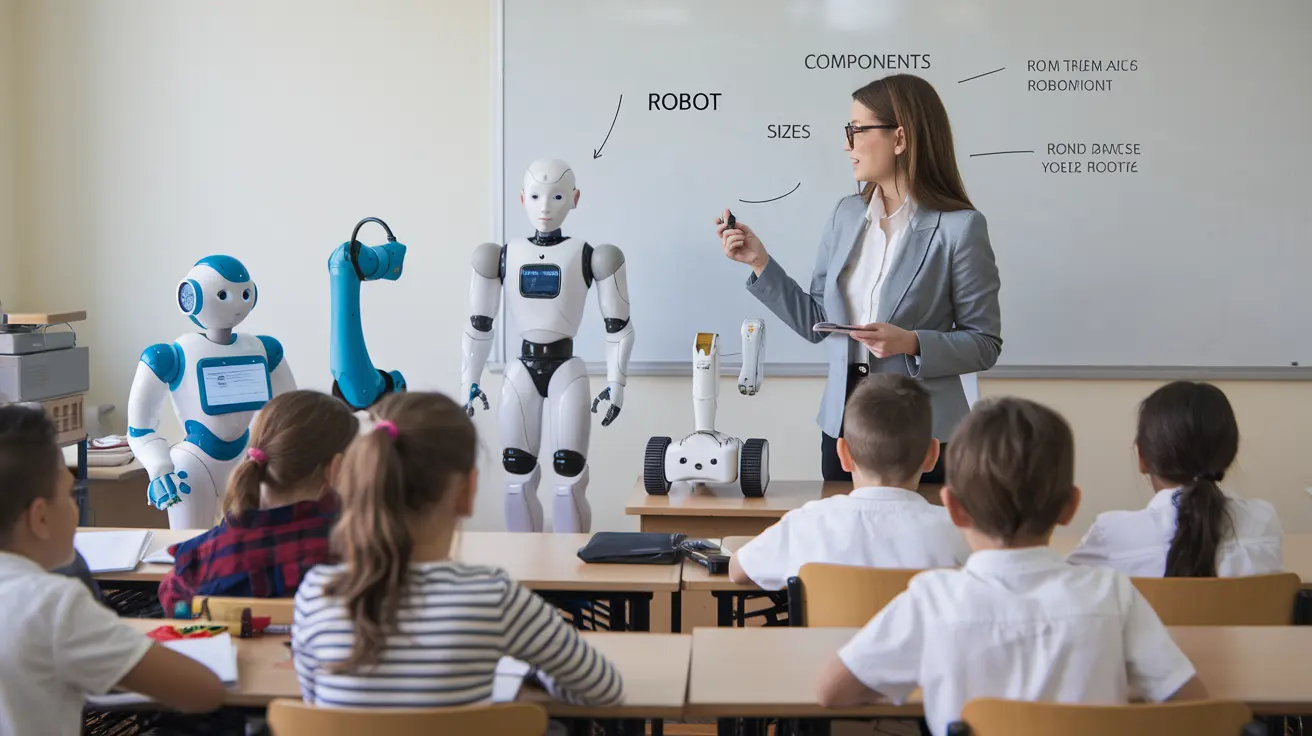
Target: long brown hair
(294, 438)
(930, 161)
(1188, 435)
(384, 482)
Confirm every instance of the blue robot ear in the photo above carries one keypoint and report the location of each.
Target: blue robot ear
(191, 299)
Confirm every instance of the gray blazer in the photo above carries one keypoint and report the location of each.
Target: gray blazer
(943, 284)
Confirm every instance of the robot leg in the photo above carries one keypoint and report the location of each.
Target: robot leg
(519, 421)
(570, 393)
(200, 474)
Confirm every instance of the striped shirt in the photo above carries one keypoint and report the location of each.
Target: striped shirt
(454, 623)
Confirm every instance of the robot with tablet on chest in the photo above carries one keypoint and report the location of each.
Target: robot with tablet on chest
(217, 380)
(545, 279)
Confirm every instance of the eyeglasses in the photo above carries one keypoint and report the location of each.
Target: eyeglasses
(852, 130)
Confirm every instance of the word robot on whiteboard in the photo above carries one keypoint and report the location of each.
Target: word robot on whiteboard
(217, 380)
(546, 279)
(707, 455)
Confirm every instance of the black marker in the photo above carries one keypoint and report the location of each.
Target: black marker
(729, 223)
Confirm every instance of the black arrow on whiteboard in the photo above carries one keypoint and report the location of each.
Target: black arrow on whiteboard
(596, 152)
(763, 201)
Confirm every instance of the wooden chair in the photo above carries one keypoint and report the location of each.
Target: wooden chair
(219, 609)
(1257, 600)
(295, 718)
(828, 595)
(993, 717)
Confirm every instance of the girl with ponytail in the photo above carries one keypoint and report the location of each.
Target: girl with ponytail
(1186, 441)
(278, 510)
(398, 623)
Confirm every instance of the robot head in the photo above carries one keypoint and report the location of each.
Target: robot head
(217, 293)
(548, 194)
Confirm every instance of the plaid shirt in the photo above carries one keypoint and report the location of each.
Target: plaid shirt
(264, 553)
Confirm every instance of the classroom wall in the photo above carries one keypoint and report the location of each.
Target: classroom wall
(10, 280)
(155, 132)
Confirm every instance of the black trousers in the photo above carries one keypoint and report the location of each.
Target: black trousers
(831, 469)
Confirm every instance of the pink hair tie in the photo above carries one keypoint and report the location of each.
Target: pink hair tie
(387, 427)
(257, 455)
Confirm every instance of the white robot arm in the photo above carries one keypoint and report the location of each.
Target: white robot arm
(609, 270)
(159, 366)
(476, 344)
(705, 380)
(752, 376)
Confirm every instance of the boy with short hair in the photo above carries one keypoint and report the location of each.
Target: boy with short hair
(887, 443)
(1017, 622)
(60, 644)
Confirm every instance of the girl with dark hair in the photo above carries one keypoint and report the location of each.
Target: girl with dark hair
(1187, 439)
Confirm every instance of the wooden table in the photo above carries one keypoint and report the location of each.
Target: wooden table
(654, 668)
(772, 672)
(723, 511)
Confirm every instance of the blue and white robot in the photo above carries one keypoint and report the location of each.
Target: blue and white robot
(355, 379)
(546, 279)
(217, 380)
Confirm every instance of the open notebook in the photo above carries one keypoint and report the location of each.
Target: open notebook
(112, 551)
(217, 653)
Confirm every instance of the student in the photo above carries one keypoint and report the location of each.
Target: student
(401, 624)
(887, 444)
(1186, 440)
(60, 644)
(279, 508)
(1017, 622)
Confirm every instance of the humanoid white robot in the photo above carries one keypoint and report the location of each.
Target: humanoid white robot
(708, 456)
(547, 278)
(217, 380)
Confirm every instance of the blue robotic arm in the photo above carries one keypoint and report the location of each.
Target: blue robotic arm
(355, 379)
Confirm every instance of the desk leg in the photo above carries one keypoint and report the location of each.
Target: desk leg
(80, 486)
(723, 609)
(676, 612)
(640, 612)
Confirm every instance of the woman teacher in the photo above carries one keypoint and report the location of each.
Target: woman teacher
(908, 260)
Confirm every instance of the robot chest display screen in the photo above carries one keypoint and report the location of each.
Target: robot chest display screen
(229, 385)
(539, 281)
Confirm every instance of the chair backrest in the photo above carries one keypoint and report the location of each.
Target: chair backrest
(295, 718)
(993, 717)
(279, 610)
(1257, 600)
(845, 595)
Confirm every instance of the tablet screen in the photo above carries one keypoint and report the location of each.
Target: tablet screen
(245, 383)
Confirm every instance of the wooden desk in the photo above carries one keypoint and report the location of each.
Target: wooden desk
(551, 562)
(654, 668)
(116, 497)
(707, 511)
(764, 672)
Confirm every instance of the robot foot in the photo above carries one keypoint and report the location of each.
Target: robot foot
(523, 509)
(571, 513)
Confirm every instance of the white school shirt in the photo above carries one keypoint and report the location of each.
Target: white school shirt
(1019, 624)
(862, 277)
(1136, 542)
(870, 527)
(60, 645)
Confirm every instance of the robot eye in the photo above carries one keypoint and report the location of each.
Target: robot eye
(533, 196)
(559, 196)
(223, 296)
(246, 295)
(683, 461)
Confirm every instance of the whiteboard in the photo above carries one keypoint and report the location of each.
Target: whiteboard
(1198, 258)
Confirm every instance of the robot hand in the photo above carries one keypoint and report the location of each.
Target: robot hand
(163, 490)
(614, 393)
(472, 393)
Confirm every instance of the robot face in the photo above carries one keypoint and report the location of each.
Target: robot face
(217, 293)
(548, 194)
